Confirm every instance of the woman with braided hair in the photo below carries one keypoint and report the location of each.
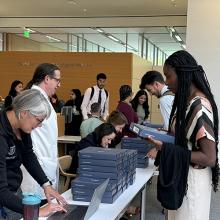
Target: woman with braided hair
(194, 123)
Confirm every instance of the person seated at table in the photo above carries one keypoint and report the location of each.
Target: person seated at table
(89, 125)
(101, 137)
(118, 120)
(27, 112)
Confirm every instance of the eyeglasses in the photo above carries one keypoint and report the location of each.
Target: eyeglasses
(57, 80)
(39, 120)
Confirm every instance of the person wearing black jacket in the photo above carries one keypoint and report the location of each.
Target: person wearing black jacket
(118, 120)
(101, 137)
(16, 88)
(73, 128)
(28, 111)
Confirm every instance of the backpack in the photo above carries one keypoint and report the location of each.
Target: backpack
(168, 92)
(92, 93)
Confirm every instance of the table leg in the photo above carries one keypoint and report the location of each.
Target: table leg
(65, 148)
(143, 203)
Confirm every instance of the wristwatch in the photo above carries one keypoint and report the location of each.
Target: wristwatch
(48, 183)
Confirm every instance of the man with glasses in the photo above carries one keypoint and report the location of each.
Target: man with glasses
(46, 79)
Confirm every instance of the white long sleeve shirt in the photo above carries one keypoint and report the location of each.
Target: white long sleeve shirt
(86, 104)
(44, 140)
(166, 103)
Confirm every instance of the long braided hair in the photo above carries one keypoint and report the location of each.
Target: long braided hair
(188, 72)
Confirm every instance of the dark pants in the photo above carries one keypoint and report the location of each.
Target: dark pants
(8, 214)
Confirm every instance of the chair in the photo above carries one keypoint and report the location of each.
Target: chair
(64, 165)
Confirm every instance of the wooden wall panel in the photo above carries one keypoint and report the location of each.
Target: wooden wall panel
(156, 115)
(60, 124)
(139, 67)
(78, 70)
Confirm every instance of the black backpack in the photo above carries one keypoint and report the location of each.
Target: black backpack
(92, 93)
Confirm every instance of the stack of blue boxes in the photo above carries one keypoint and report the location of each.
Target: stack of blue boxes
(98, 164)
(142, 147)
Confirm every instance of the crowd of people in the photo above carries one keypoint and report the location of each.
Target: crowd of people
(28, 132)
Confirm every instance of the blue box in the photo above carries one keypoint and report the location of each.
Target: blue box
(144, 131)
(108, 200)
(98, 180)
(100, 153)
(95, 162)
(142, 146)
(89, 192)
(80, 182)
(89, 168)
(116, 176)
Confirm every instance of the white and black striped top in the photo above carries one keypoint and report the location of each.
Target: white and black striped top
(199, 121)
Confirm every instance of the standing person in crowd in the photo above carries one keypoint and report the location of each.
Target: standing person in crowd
(75, 101)
(154, 83)
(125, 107)
(140, 105)
(118, 120)
(56, 103)
(16, 88)
(28, 111)
(96, 93)
(93, 121)
(194, 122)
(46, 79)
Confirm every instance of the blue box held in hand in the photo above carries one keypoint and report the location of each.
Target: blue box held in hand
(144, 131)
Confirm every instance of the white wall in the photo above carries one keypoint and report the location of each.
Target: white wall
(202, 39)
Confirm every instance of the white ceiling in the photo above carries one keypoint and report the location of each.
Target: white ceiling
(59, 17)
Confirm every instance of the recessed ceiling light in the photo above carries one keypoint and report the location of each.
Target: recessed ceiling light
(72, 2)
(113, 38)
(172, 29)
(99, 30)
(178, 38)
(53, 38)
(85, 10)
